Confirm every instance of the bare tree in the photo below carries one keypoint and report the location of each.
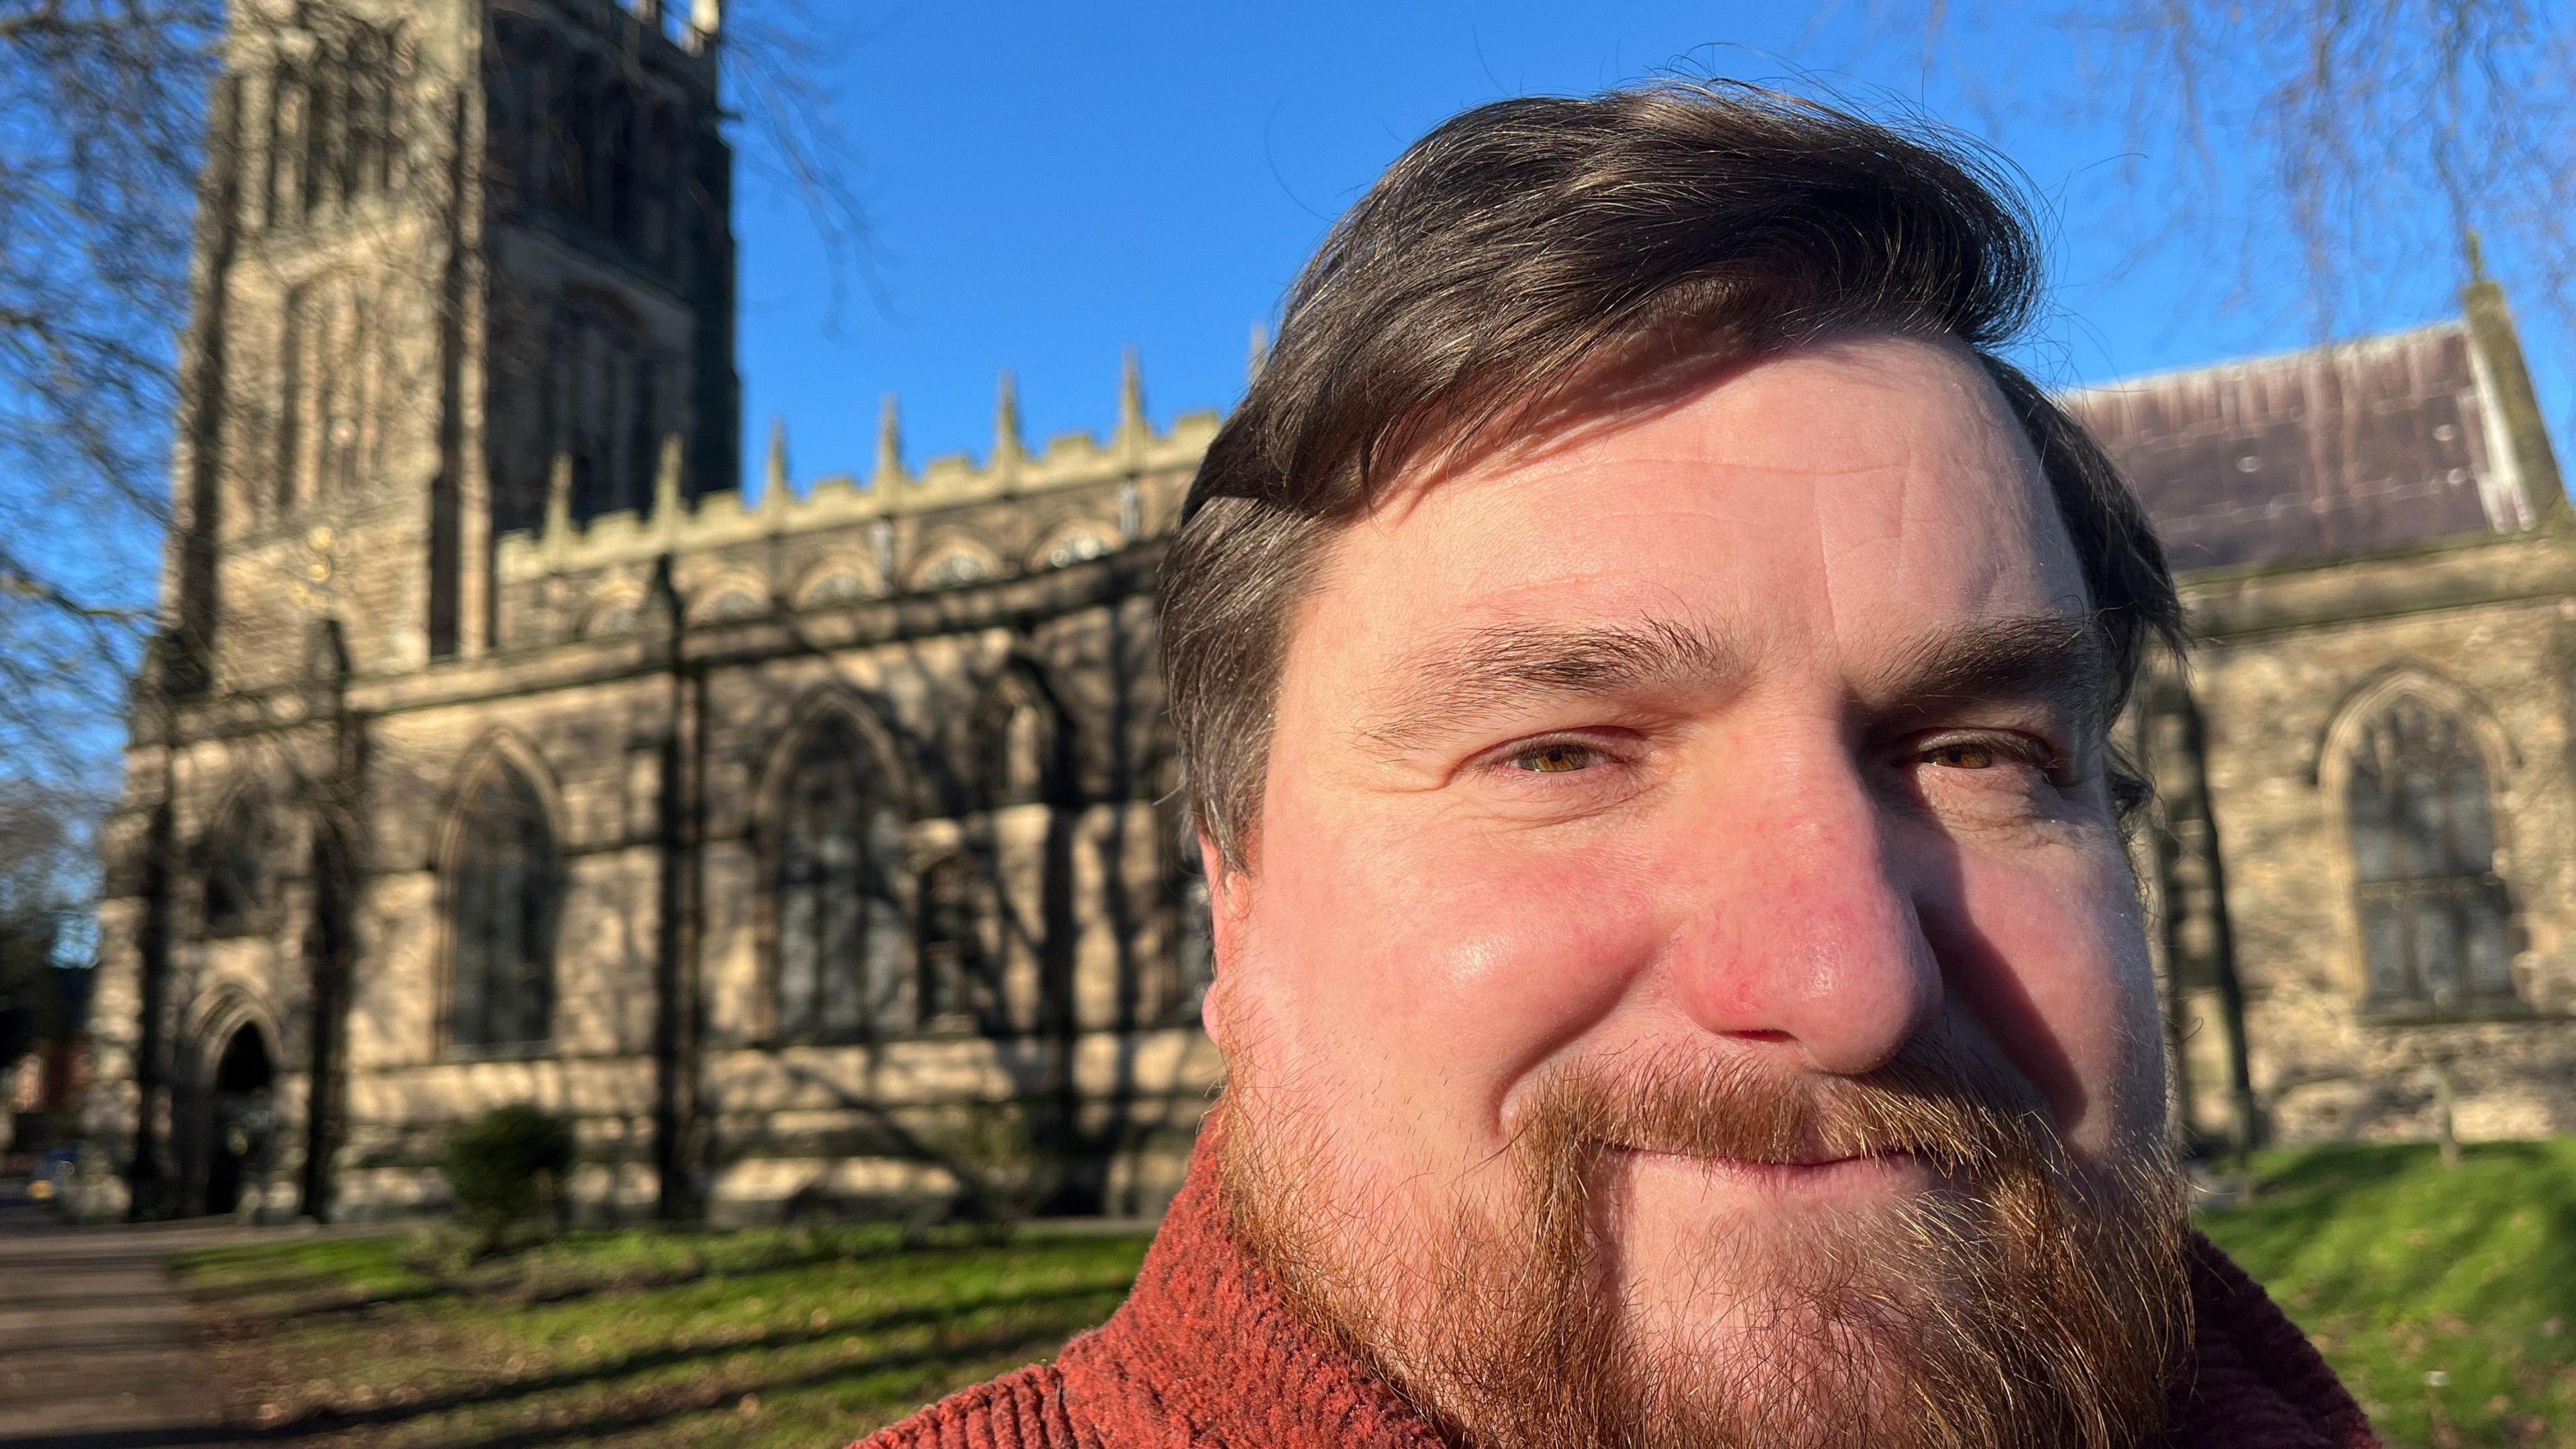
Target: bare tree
(102, 113)
(2358, 145)
(44, 869)
(2358, 141)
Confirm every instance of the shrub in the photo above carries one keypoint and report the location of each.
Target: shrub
(506, 1167)
(1002, 1170)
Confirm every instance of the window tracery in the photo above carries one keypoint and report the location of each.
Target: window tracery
(331, 374)
(837, 587)
(840, 953)
(601, 394)
(236, 856)
(589, 142)
(1075, 546)
(2434, 918)
(1016, 742)
(330, 132)
(949, 944)
(506, 895)
(732, 603)
(955, 566)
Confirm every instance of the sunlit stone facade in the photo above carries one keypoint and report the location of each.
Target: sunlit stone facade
(814, 848)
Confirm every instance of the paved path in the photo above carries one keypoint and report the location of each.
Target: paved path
(95, 1351)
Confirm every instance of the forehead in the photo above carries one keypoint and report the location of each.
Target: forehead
(1848, 495)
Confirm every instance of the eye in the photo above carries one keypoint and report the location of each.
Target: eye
(1556, 757)
(1964, 755)
(1997, 756)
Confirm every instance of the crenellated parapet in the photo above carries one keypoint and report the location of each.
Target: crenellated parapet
(677, 524)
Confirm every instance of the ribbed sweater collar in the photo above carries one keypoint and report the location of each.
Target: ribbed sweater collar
(1207, 1352)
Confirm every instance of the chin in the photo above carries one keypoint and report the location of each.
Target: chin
(1832, 1258)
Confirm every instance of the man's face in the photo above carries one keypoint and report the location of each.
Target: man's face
(1742, 759)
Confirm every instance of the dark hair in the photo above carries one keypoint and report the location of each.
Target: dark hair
(1508, 258)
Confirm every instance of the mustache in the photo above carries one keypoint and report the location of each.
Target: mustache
(1961, 1121)
(2027, 1300)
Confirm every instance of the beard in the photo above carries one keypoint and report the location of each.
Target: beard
(2021, 1300)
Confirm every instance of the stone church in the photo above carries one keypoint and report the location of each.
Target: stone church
(2363, 855)
(816, 849)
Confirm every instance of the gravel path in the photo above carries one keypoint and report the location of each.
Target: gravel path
(95, 1348)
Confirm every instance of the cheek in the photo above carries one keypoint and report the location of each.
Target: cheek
(2052, 965)
(1425, 976)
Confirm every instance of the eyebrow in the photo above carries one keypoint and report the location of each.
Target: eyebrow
(2057, 660)
(2061, 661)
(1470, 673)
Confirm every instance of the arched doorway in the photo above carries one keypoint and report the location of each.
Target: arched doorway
(245, 1118)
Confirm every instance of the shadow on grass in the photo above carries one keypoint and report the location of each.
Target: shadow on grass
(324, 1302)
(2331, 1171)
(527, 1283)
(2386, 1229)
(700, 1399)
(647, 1360)
(86, 1301)
(162, 1438)
(664, 1403)
(2335, 1170)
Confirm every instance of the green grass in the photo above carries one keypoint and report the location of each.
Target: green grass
(2445, 1297)
(808, 1337)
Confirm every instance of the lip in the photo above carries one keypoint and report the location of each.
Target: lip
(1861, 1174)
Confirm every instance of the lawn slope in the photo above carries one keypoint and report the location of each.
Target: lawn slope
(2446, 1297)
(770, 1337)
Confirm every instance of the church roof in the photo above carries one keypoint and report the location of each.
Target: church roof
(2339, 450)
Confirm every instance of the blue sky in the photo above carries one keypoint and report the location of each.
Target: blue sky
(1053, 184)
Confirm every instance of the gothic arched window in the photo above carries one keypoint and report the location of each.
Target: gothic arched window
(293, 366)
(338, 121)
(949, 946)
(953, 565)
(569, 138)
(236, 865)
(349, 348)
(321, 121)
(506, 896)
(2434, 917)
(515, 127)
(602, 408)
(328, 374)
(282, 159)
(1016, 743)
(373, 120)
(665, 151)
(620, 169)
(840, 967)
(323, 127)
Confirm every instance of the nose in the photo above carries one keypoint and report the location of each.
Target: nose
(1798, 931)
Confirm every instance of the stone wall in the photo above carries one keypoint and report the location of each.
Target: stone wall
(2288, 663)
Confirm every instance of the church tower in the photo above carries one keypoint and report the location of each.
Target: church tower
(441, 242)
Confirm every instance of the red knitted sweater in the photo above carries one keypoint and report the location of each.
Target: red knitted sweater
(1205, 1353)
